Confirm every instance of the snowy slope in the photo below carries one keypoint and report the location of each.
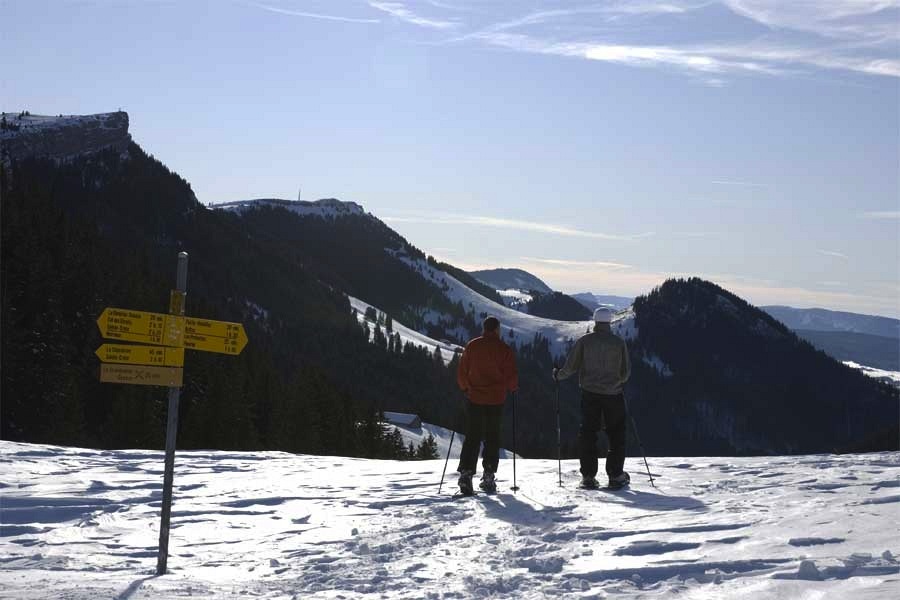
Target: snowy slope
(407, 334)
(83, 524)
(892, 377)
(523, 326)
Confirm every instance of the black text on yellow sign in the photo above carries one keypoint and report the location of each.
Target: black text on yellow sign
(140, 326)
(169, 330)
(141, 355)
(214, 336)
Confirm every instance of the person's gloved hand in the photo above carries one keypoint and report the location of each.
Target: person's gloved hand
(555, 374)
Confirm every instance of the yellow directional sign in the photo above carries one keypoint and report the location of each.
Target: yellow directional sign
(214, 336)
(169, 330)
(142, 375)
(140, 326)
(141, 355)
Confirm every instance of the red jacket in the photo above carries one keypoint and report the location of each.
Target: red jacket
(487, 370)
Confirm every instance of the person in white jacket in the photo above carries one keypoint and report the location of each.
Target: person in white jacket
(601, 360)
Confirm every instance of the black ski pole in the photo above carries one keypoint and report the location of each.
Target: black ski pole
(515, 398)
(558, 435)
(638, 438)
(452, 435)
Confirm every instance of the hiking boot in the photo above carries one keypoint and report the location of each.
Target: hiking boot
(465, 483)
(488, 482)
(589, 483)
(619, 481)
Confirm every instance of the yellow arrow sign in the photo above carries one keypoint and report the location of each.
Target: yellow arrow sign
(142, 375)
(141, 355)
(214, 336)
(140, 326)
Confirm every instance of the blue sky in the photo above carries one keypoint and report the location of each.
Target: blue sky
(603, 146)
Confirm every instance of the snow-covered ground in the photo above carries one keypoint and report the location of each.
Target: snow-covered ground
(83, 524)
(888, 376)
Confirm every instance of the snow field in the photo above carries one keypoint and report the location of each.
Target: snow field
(81, 524)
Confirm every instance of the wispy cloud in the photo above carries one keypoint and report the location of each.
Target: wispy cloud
(847, 35)
(400, 11)
(309, 15)
(858, 36)
(740, 183)
(482, 221)
(577, 263)
(833, 253)
(696, 60)
(698, 234)
(881, 214)
(844, 19)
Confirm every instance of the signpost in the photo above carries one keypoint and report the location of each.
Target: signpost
(161, 363)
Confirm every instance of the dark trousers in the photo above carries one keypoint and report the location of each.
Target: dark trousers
(482, 424)
(599, 411)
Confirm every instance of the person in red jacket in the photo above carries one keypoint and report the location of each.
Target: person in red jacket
(487, 371)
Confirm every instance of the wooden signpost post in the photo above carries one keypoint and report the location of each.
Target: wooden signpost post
(162, 364)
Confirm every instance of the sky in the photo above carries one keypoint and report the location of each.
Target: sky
(601, 145)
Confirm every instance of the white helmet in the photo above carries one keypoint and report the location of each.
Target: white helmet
(603, 315)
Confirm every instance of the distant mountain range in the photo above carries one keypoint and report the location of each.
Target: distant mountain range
(868, 340)
(712, 375)
(820, 319)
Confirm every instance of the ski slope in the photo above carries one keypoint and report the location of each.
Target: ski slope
(83, 524)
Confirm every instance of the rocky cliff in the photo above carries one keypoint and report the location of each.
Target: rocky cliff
(25, 135)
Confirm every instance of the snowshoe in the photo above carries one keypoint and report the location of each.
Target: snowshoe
(488, 483)
(465, 483)
(619, 481)
(589, 483)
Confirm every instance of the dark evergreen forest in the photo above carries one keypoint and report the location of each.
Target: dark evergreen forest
(104, 231)
(559, 306)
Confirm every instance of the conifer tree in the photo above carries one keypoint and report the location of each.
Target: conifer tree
(427, 449)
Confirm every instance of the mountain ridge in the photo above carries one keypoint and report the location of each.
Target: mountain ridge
(102, 230)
